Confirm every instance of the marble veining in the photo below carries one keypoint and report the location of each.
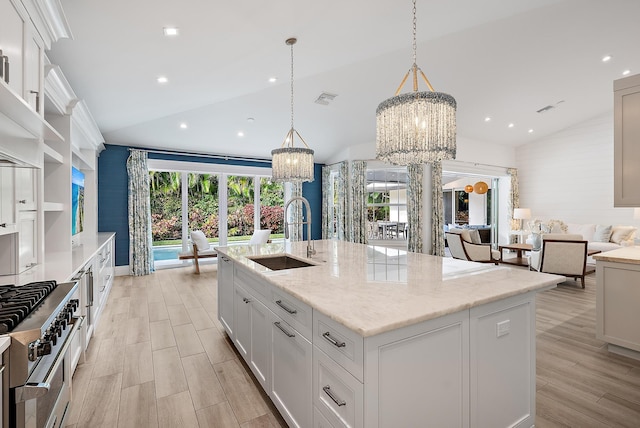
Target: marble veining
(629, 255)
(373, 289)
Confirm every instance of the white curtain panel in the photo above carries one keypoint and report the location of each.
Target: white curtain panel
(140, 237)
(326, 195)
(514, 199)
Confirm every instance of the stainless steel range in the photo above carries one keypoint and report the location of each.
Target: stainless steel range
(40, 319)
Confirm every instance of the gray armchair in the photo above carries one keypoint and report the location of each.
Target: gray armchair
(464, 249)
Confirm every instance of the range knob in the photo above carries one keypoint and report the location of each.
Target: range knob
(73, 304)
(44, 348)
(51, 336)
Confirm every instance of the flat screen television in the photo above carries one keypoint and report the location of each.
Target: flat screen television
(77, 201)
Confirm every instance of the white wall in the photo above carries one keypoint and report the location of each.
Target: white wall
(569, 176)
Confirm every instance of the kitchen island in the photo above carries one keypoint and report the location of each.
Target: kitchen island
(378, 337)
(617, 299)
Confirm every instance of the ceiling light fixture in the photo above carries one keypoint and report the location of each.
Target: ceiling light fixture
(290, 163)
(487, 119)
(183, 125)
(606, 58)
(626, 72)
(162, 79)
(273, 79)
(240, 134)
(511, 125)
(416, 127)
(170, 31)
(531, 131)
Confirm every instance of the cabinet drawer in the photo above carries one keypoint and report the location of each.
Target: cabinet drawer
(337, 394)
(345, 346)
(249, 280)
(319, 421)
(296, 313)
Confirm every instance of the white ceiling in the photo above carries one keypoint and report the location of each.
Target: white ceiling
(499, 58)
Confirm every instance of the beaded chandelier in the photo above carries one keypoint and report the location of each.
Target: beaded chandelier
(416, 127)
(289, 163)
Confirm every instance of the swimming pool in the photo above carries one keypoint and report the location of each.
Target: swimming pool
(168, 252)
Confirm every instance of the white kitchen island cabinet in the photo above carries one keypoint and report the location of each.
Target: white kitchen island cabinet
(365, 338)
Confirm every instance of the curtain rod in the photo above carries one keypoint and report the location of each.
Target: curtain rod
(202, 155)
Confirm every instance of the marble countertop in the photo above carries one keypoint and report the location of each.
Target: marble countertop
(372, 289)
(61, 265)
(629, 255)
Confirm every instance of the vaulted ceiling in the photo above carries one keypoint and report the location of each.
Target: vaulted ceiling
(502, 59)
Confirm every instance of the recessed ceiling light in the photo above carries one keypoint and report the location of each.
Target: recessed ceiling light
(606, 58)
(273, 79)
(170, 31)
(240, 134)
(487, 119)
(511, 125)
(162, 79)
(183, 125)
(626, 72)
(531, 131)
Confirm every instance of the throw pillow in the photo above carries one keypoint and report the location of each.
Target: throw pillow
(463, 232)
(622, 233)
(475, 236)
(198, 238)
(602, 233)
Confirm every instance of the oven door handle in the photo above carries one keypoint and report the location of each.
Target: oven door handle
(31, 390)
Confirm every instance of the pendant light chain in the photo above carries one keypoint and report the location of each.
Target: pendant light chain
(415, 46)
(291, 91)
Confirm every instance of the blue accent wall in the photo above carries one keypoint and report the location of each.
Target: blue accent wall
(113, 189)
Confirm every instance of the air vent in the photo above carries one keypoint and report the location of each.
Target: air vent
(549, 107)
(544, 109)
(324, 98)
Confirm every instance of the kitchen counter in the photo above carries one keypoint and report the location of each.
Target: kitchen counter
(623, 255)
(62, 265)
(372, 289)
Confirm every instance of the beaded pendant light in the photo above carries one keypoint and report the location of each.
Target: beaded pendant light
(290, 163)
(416, 127)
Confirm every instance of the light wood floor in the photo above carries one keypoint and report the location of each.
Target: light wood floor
(160, 359)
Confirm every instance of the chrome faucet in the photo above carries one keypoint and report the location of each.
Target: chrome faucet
(310, 250)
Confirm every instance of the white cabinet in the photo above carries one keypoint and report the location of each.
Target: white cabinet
(26, 192)
(252, 334)
(291, 373)
(7, 198)
(626, 134)
(617, 301)
(28, 234)
(225, 293)
(33, 70)
(12, 23)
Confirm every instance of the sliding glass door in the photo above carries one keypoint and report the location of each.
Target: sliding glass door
(227, 208)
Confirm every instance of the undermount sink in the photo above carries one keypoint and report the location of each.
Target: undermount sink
(280, 262)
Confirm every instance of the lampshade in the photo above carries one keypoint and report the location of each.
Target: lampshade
(481, 187)
(468, 188)
(636, 213)
(416, 127)
(290, 163)
(521, 213)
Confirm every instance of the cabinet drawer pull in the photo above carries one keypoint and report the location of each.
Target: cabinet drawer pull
(331, 395)
(283, 306)
(277, 324)
(333, 341)
(224, 259)
(244, 299)
(22, 201)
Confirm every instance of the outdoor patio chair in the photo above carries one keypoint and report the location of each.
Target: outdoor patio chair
(200, 249)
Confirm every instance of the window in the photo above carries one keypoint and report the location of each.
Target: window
(387, 202)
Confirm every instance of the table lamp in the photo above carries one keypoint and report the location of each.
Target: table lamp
(521, 214)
